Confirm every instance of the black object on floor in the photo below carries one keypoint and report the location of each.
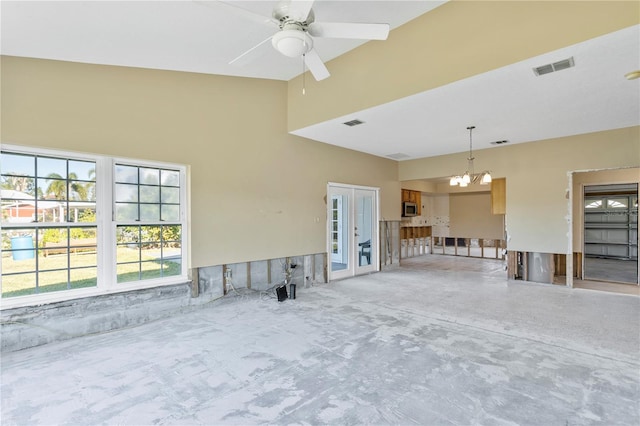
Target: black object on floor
(292, 290)
(281, 292)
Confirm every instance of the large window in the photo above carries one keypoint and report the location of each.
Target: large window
(149, 196)
(74, 222)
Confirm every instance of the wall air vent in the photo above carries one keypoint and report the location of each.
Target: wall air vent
(398, 156)
(353, 122)
(499, 142)
(556, 66)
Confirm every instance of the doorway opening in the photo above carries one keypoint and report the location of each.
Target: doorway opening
(353, 213)
(611, 233)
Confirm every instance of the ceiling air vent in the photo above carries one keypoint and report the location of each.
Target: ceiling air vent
(353, 122)
(556, 66)
(499, 142)
(398, 156)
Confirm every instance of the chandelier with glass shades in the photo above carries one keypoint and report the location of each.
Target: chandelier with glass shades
(469, 177)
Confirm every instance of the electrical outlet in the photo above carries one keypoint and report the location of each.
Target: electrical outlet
(227, 273)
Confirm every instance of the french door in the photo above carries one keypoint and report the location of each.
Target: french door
(353, 230)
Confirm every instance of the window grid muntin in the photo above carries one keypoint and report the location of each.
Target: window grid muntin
(39, 197)
(102, 181)
(160, 179)
(142, 242)
(140, 184)
(38, 248)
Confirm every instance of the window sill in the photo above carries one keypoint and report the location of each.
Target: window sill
(68, 295)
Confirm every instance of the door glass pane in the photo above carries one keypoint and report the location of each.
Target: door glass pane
(339, 227)
(365, 202)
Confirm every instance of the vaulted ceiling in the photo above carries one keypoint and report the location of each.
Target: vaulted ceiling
(508, 103)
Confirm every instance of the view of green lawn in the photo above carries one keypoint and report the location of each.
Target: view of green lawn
(83, 272)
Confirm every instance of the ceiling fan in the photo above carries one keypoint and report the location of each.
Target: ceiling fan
(297, 27)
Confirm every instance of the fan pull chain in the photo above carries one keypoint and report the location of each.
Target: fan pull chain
(303, 78)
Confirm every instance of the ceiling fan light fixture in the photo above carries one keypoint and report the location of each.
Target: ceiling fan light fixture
(632, 75)
(292, 43)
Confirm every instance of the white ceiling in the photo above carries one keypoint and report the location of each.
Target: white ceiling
(183, 35)
(509, 103)
(203, 36)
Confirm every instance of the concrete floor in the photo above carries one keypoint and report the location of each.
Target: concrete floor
(428, 344)
(606, 286)
(613, 270)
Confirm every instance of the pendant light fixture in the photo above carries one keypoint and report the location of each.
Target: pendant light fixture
(469, 177)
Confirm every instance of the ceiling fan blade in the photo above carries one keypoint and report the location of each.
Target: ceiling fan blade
(349, 30)
(250, 50)
(240, 11)
(299, 9)
(315, 65)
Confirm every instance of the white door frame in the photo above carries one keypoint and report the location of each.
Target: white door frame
(344, 229)
(353, 252)
(336, 257)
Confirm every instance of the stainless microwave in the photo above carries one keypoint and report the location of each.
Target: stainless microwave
(409, 209)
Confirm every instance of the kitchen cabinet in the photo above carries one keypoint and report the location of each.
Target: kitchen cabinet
(414, 241)
(499, 196)
(409, 196)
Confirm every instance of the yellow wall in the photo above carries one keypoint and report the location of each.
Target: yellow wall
(470, 216)
(457, 40)
(461, 39)
(256, 191)
(537, 179)
(419, 185)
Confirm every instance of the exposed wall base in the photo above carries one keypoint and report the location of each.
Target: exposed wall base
(30, 326)
(389, 245)
(541, 267)
(560, 262)
(262, 275)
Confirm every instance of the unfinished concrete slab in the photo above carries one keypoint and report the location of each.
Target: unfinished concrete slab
(424, 344)
(616, 270)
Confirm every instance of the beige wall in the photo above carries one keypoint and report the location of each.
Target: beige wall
(457, 40)
(599, 177)
(537, 180)
(464, 38)
(256, 191)
(470, 216)
(419, 185)
(437, 213)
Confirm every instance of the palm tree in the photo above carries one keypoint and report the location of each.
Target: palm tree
(91, 186)
(79, 189)
(18, 183)
(58, 187)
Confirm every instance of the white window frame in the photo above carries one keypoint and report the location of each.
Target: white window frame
(106, 230)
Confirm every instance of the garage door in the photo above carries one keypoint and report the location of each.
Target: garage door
(611, 221)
